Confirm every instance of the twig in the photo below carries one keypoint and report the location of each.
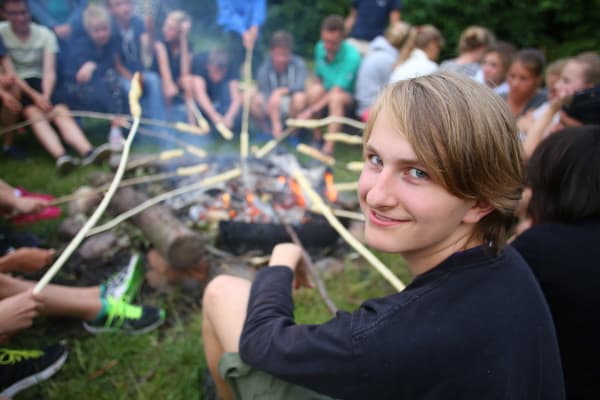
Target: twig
(344, 233)
(308, 263)
(346, 186)
(316, 154)
(134, 96)
(343, 138)
(162, 197)
(355, 166)
(197, 151)
(162, 156)
(271, 144)
(244, 139)
(182, 171)
(102, 370)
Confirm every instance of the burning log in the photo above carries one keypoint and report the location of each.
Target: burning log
(182, 247)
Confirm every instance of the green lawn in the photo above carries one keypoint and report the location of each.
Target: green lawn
(167, 363)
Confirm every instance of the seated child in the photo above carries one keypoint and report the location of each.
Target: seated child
(440, 185)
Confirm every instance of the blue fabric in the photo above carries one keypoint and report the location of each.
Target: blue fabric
(372, 17)
(2, 48)
(41, 11)
(130, 51)
(474, 327)
(239, 15)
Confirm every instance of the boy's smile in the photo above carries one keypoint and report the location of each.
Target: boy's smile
(406, 211)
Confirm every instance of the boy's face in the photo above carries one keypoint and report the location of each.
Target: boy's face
(170, 29)
(572, 79)
(280, 57)
(493, 72)
(405, 211)
(121, 9)
(522, 82)
(331, 41)
(216, 73)
(17, 14)
(99, 32)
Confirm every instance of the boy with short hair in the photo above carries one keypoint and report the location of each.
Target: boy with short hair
(281, 79)
(441, 182)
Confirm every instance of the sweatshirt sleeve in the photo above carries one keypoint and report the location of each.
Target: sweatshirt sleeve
(320, 357)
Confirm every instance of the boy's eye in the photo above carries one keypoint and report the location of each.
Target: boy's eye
(417, 173)
(374, 159)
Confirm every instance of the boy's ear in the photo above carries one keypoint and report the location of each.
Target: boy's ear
(476, 213)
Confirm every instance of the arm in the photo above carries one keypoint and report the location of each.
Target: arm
(18, 311)
(186, 60)
(26, 259)
(48, 75)
(236, 103)
(23, 205)
(537, 131)
(169, 87)
(350, 20)
(228, 18)
(321, 357)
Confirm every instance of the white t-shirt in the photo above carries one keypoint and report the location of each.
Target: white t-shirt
(417, 64)
(28, 56)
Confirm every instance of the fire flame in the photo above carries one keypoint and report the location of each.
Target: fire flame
(297, 192)
(331, 192)
(226, 199)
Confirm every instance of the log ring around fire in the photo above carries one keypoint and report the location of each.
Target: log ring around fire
(240, 237)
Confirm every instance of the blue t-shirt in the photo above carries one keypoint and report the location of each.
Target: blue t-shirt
(372, 17)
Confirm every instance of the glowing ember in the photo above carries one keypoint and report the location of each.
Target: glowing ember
(331, 192)
(297, 192)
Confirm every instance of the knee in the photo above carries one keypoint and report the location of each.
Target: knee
(217, 291)
(337, 95)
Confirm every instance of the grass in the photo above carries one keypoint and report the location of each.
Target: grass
(167, 363)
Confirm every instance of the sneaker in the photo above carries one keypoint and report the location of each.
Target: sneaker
(20, 369)
(129, 318)
(65, 164)
(125, 284)
(14, 152)
(97, 155)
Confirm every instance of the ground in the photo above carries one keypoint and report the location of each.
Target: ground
(167, 363)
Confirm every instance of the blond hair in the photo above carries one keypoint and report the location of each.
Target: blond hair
(466, 137)
(401, 36)
(475, 37)
(179, 16)
(427, 34)
(95, 13)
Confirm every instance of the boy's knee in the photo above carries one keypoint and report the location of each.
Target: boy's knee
(218, 290)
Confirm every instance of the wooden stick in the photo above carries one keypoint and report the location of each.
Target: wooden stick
(180, 126)
(271, 144)
(341, 213)
(162, 156)
(343, 138)
(344, 233)
(316, 154)
(308, 263)
(134, 95)
(182, 171)
(244, 135)
(197, 151)
(165, 196)
(317, 123)
(200, 120)
(356, 166)
(224, 131)
(346, 186)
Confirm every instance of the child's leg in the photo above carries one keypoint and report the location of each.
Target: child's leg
(44, 131)
(58, 300)
(223, 313)
(70, 131)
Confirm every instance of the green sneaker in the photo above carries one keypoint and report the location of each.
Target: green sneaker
(125, 284)
(129, 318)
(20, 369)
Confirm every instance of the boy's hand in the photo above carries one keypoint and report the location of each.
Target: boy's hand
(290, 255)
(28, 205)
(85, 72)
(186, 25)
(171, 90)
(17, 312)
(12, 104)
(31, 259)
(42, 103)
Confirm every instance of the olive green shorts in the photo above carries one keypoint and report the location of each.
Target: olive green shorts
(248, 383)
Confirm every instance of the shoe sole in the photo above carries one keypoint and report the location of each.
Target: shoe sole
(101, 329)
(36, 378)
(66, 167)
(136, 276)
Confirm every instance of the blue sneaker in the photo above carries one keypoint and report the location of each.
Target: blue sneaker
(128, 318)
